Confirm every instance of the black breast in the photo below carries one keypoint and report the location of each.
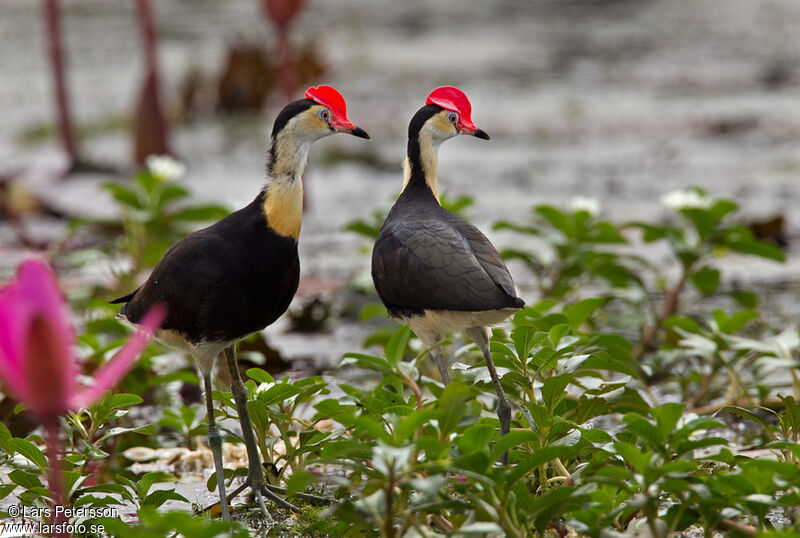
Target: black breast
(223, 282)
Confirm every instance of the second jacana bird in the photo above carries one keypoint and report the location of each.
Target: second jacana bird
(432, 268)
(239, 275)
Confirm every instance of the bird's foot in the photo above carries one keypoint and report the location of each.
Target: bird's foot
(261, 489)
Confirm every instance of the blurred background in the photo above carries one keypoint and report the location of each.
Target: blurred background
(620, 101)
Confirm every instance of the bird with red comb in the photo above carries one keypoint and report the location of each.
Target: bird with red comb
(239, 275)
(454, 100)
(433, 269)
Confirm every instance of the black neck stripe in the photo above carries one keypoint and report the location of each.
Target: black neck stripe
(417, 174)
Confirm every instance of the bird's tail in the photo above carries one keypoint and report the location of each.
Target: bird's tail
(123, 299)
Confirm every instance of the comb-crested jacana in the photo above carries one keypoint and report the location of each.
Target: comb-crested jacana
(239, 275)
(432, 268)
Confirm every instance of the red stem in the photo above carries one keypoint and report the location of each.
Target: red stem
(55, 50)
(55, 480)
(148, 34)
(285, 70)
(150, 126)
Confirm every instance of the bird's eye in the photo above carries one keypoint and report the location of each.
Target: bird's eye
(324, 114)
(452, 118)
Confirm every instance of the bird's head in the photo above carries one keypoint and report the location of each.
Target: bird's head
(323, 112)
(447, 113)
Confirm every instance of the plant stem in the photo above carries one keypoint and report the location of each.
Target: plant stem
(55, 50)
(55, 479)
(668, 308)
(388, 523)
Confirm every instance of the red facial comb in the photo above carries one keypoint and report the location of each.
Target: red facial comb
(329, 97)
(451, 98)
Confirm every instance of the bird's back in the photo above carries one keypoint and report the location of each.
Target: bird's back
(427, 258)
(222, 282)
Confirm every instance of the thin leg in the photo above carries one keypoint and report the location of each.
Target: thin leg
(255, 476)
(443, 369)
(480, 336)
(215, 442)
(255, 473)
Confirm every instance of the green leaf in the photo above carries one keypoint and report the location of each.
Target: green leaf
(395, 348)
(557, 218)
(512, 439)
(539, 457)
(123, 195)
(366, 427)
(475, 438)
(553, 389)
(581, 311)
(558, 332)
(372, 310)
(731, 324)
(524, 338)
(5, 438)
(145, 429)
(115, 401)
(147, 481)
(750, 415)
(634, 456)
(298, 482)
(259, 376)
(30, 451)
(667, 417)
(408, 425)
(25, 479)
(171, 192)
(746, 299)
(452, 405)
(159, 497)
(6, 489)
(278, 393)
(706, 280)
(741, 239)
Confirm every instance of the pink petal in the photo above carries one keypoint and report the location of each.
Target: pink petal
(39, 288)
(14, 318)
(111, 372)
(33, 293)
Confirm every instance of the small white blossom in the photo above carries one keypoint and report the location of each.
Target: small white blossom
(263, 387)
(581, 203)
(165, 167)
(690, 199)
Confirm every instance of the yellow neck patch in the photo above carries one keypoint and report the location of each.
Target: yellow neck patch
(283, 206)
(429, 161)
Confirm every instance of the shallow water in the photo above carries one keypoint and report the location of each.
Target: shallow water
(618, 100)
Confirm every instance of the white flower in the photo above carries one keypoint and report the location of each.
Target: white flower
(581, 203)
(165, 167)
(690, 199)
(264, 387)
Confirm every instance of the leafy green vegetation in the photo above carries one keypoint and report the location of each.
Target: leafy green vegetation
(645, 398)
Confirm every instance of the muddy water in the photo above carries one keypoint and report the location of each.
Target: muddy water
(618, 100)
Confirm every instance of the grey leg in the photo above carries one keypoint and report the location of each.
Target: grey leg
(443, 369)
(480, 336)
(215, 442)
(255, 475)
